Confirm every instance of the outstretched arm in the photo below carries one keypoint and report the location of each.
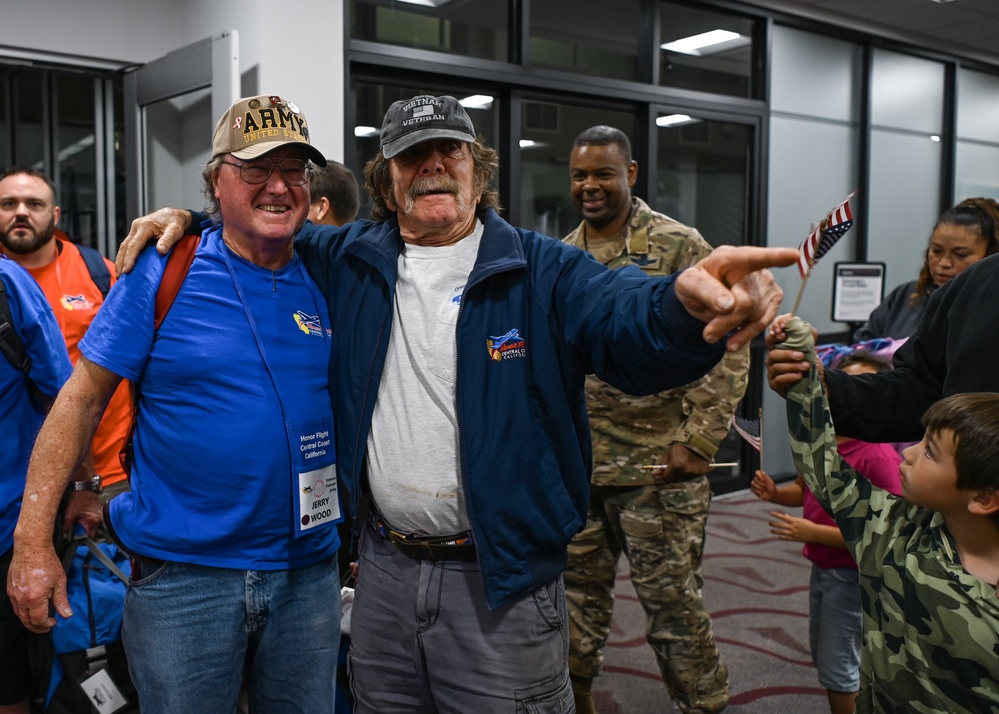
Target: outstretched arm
(733, 291)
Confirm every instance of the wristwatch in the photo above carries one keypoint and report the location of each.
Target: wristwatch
(91, 484)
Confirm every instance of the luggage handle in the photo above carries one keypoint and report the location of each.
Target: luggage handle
(84, 539)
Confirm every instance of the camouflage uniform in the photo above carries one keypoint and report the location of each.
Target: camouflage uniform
(931, 629)
(659, 526)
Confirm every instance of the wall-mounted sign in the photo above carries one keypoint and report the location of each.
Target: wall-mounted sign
(858, 288)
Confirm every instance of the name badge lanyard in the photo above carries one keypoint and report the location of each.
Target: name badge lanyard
(303, 521)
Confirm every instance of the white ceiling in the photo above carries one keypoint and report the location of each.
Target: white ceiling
(966, 27)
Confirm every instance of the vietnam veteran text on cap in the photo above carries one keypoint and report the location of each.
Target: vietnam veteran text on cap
(410, 121)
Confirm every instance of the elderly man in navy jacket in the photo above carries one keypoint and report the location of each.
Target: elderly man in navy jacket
(460, 344)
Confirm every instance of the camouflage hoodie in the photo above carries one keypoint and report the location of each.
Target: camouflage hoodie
(931, 629)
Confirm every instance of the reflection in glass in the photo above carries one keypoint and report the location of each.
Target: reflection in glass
(705, 51)
(702, 176)
(5, 146)
(76, 157)
(28, 113)
(470, 28)
(547, 132)
(51, 121)
(601, 40)
(176, 149)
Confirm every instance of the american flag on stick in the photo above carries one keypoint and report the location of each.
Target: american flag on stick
(824, 236)
(750, 429)
(820, 240)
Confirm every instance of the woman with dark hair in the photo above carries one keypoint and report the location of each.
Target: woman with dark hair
(963, 235)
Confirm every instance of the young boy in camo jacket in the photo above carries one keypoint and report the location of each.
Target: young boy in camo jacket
(929, 562)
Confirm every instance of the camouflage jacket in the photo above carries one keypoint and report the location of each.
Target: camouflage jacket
(931, 629)
(628, 431)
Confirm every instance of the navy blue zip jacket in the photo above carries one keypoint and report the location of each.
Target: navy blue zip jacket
(524, 440)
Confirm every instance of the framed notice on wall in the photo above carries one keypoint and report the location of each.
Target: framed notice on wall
(858, 288)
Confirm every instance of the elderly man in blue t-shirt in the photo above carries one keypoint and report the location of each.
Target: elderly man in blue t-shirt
(230, 518)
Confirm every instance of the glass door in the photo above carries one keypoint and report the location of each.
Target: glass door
(171, 106)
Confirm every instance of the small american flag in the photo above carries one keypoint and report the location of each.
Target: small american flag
(749, 429)
(824, 236)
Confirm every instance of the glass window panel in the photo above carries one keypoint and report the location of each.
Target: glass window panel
(813, 75)
(76, 157)
(177, 148)
(119, 222)
(5, 113)
(702, 176)
(720, 63)
(373, 100)
(473, 28)
(601, 40)
(547, 132)
(977, 106)
(28, 113)
(907, 92)
(902, 212)
(807, 180)
(977, 171)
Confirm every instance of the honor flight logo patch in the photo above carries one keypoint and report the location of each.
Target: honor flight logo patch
(309, 324)
(76, 302)
(508, 346)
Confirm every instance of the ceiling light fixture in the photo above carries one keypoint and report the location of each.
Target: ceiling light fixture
(707, 43)
(476, 101)
(674, 120)
(427, 3)
(365, 131)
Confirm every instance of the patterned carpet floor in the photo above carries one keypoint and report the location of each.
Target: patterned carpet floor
(756, 588)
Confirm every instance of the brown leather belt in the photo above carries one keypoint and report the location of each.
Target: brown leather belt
(454, 547)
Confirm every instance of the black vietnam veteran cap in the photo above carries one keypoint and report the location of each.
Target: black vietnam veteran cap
(410, 121)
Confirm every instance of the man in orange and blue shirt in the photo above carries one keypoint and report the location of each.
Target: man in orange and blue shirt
(28, 235)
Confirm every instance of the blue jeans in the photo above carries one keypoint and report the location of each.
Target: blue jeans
(189, 630)
(424, 642)
(836, 627)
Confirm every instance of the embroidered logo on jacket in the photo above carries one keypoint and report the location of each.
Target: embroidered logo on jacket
(508, 346)
(309, 324)
(75, 302)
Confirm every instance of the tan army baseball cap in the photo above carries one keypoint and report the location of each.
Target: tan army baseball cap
(255, 125)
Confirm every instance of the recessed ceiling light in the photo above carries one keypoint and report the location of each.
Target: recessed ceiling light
(476, 101)
(427, 3)
(674, 120)
(707, 43)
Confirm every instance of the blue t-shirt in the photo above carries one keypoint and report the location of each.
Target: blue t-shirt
(20, 418)
(231, 387)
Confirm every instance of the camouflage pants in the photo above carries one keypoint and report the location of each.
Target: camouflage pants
(660, 528)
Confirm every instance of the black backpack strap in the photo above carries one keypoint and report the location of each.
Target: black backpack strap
(99, 272)
(13, 348)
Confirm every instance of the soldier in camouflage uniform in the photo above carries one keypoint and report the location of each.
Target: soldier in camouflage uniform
(655, 516)
(928, 562)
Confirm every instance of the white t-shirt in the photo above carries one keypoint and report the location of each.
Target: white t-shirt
(412, 453)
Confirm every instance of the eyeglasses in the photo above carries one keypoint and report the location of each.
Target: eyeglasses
(295, 172)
